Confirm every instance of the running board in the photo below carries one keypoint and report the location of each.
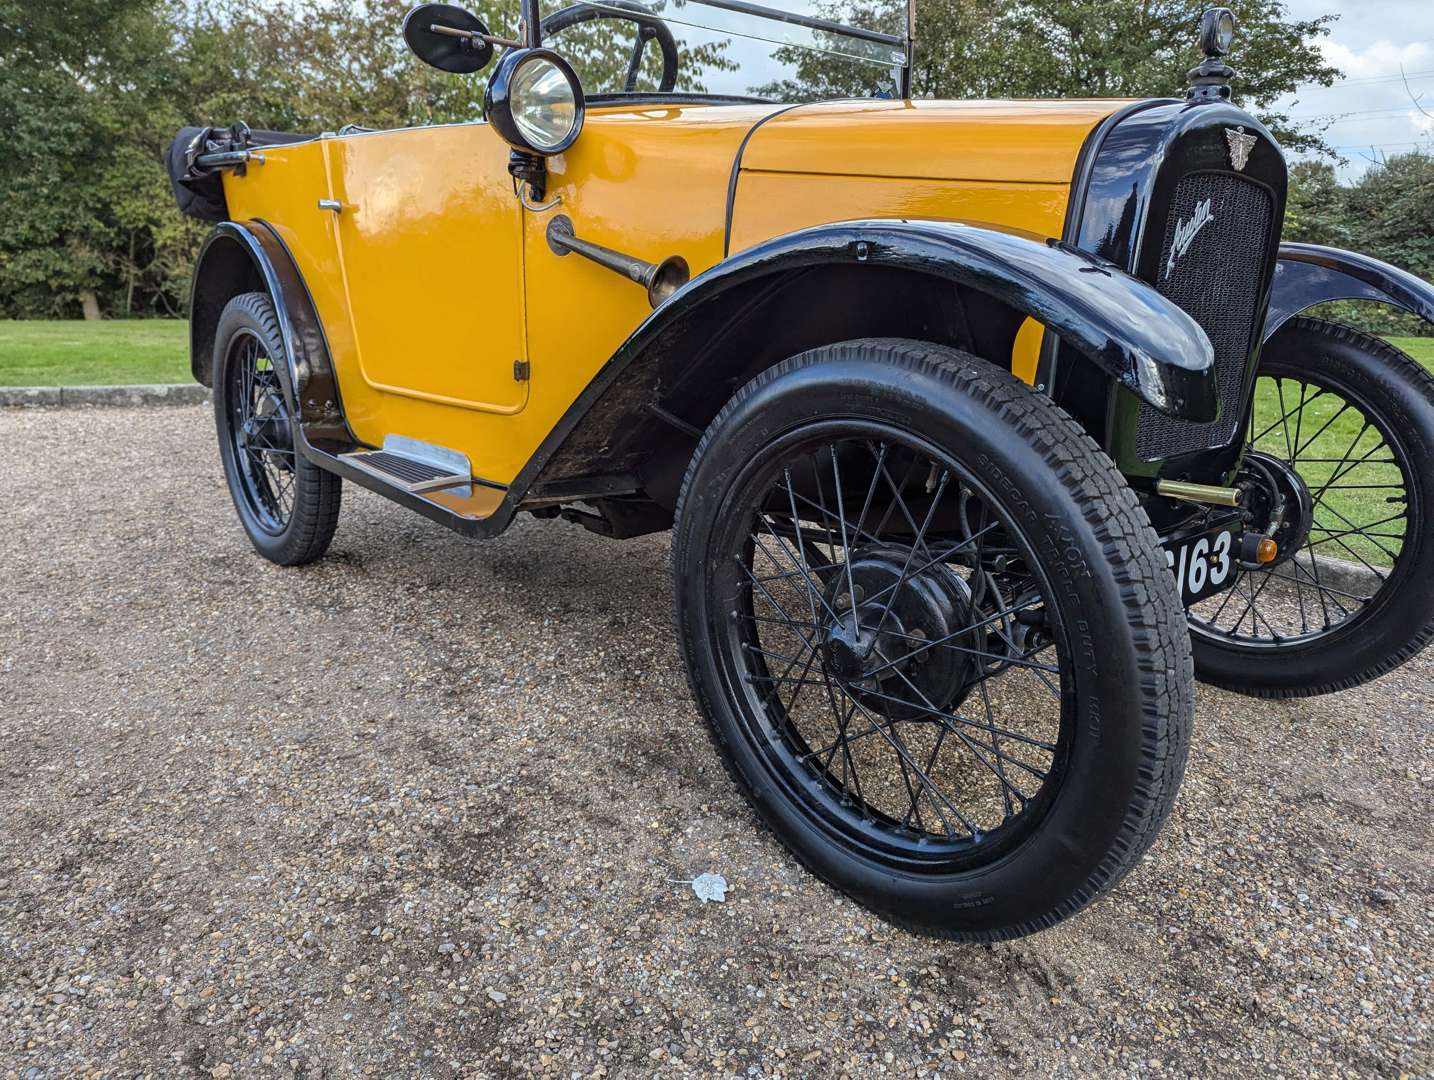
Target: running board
(432, 480)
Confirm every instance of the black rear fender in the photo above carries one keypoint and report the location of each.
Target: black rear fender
(225, 268)
(239, 258)
(1310, 274)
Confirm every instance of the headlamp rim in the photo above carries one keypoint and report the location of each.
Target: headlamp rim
(498, 102)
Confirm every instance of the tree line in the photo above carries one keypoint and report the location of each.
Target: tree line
(92, 91)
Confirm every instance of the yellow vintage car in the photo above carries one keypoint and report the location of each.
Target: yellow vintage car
(982, 428)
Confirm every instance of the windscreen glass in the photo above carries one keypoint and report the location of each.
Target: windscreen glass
(778, 50)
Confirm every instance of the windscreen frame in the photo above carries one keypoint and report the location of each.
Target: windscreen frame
(530, 31)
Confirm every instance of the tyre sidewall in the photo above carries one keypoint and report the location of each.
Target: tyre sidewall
(1051, 869)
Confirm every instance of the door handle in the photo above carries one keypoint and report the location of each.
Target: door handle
(331, 204)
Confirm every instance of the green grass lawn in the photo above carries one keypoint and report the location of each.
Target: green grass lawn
(78, 353)
(1359, 511)
(1421, 348)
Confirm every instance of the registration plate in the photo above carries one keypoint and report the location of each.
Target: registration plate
(1204, 562)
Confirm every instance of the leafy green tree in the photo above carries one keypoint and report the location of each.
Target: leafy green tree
(1388, 213)
(1316, 211)
(92, 91)
(1391, 209)
(77, 95)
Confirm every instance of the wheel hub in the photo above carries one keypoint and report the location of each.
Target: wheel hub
(1278, 501)
(881, 644)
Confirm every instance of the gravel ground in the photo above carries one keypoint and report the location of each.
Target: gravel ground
(418, 810)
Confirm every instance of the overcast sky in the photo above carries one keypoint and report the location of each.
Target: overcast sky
(1370, 108)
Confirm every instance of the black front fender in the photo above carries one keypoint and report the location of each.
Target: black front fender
(846, 280)
(1123, 325)
(1310, 274)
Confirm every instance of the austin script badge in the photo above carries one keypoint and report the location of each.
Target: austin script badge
(1185, 233)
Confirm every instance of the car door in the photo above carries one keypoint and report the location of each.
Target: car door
(429, 240)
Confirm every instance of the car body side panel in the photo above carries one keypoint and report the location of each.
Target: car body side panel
(1026, 141)
(772, 204)
(428, 239)
(648, 181)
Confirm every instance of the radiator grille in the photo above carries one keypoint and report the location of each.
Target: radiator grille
(1216, 278)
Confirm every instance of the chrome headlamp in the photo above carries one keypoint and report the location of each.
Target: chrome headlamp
(534, 101)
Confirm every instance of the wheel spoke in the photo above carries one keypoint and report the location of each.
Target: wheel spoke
(257, 416)
(911, 551)
(845, 542)
(871, 550)
(1344, 455)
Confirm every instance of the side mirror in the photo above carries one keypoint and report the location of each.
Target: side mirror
(449, 38)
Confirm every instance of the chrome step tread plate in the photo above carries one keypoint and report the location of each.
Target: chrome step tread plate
(417, 465)
(462, 502)
(406, 470)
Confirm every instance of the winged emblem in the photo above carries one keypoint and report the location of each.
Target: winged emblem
(1240, 146)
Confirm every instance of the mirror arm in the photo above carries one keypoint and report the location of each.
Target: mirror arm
(529, 169)
(470, 35)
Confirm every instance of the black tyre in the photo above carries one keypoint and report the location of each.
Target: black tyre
(934, 636)
(1353, 595)
(288, 506)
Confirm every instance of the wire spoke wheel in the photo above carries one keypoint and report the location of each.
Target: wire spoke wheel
(1339, 458)
(259, 429)
(933, 635)
(1357, 479)
(288, 506)
(892, 643)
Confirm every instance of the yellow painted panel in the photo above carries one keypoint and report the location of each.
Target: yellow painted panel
(769, 204)
(649, 182)
(285, 192)
(1026, 351)
(442, 263)
(1031, 141)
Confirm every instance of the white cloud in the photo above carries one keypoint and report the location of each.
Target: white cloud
(1382, 58)
(1369, 115)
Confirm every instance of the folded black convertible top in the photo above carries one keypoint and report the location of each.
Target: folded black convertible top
(197, 184)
